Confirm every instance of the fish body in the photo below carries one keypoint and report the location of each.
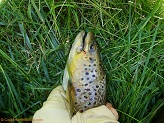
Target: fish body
(84, 79)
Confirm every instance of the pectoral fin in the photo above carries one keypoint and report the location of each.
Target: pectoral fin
(65, 79)
(70, 93)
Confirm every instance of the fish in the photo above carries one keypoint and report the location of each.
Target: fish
(84, 78)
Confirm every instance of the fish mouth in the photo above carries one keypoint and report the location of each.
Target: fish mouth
(83, 40)
(87, 40)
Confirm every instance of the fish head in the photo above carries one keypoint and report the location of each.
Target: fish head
(83, 46)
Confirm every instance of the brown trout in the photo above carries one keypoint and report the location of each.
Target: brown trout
(84, 79)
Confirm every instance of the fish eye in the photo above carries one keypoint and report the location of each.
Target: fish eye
(79, 49)
(92, 48)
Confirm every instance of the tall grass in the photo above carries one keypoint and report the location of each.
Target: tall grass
(35, 37)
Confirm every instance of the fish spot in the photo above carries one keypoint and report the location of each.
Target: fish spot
(87, 78)
(85, 68)
(93, 75)
(90, 82)
(78, 90)
(97, 86)
(95, 93)
(90, 99)
(87, 89)
(82, 78)
(86, 73)
(89, 103)
(92, 71)
(90, 93)
(95, 70)
(91, 60)
(85, 106)
(89, 65)
(94, 64)
(86, 84)
(85, 97)
(81, 111)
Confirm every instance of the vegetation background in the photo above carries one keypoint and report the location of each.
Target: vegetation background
(35, 39)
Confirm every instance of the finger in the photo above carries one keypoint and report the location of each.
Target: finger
(109, 106)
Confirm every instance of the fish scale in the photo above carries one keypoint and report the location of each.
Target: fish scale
(87, 88)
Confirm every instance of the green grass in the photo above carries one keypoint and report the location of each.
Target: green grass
(34, 47)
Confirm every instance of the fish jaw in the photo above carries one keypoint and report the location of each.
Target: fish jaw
(78, 43)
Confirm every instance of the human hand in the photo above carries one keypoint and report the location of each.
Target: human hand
(56, 110)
